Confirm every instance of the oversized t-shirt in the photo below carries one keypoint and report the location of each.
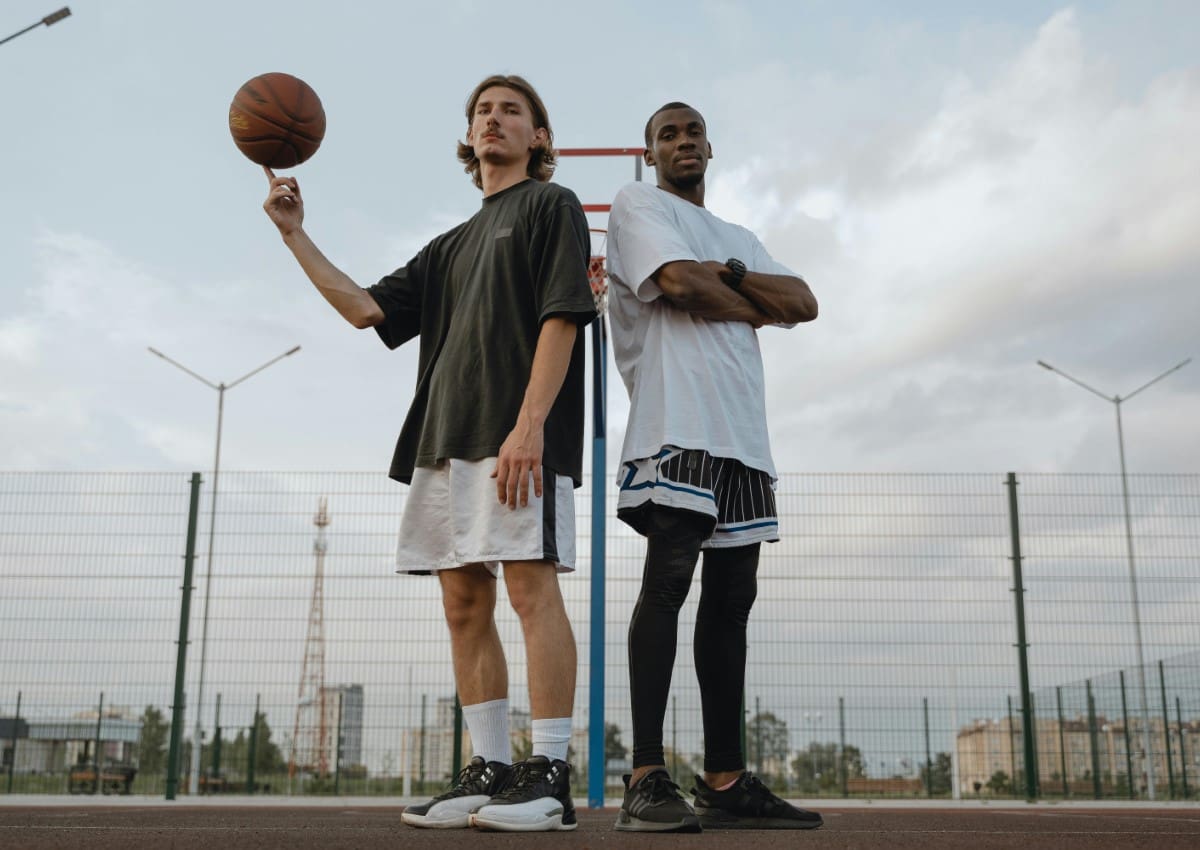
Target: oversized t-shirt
(477, 296)
(692, 382)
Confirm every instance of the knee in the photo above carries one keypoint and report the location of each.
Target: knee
(666, 590)
(532, 591)
(731, 604)
(468, 605)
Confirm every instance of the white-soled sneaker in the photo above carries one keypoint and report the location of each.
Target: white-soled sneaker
(537, 800)
(476, 783)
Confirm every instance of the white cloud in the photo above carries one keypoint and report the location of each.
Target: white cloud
(1029, 215)
(20, 340)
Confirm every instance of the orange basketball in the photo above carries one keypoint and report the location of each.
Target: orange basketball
(277, 120)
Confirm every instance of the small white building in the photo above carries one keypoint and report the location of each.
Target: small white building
(53, 746)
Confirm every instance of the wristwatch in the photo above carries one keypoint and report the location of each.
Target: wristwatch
(739, 273)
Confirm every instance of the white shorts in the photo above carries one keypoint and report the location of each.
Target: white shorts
(452, 518)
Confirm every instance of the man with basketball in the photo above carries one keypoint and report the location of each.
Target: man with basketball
(493, 442)
(689, 294)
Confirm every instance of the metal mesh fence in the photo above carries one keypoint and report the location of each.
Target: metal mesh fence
(1085, 624)
(882, 657)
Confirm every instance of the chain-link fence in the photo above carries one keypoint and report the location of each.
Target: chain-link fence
(884, 646)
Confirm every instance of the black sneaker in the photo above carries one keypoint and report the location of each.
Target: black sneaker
(537, 800)
(654, 804)
(748, 804)
(477, 783)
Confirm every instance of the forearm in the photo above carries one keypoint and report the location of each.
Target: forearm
(551, 358)
(783, 298)
(697, 289)
(350, 300)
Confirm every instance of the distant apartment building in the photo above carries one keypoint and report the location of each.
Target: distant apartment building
(1065, 754)
(318, 724)
(351, 699)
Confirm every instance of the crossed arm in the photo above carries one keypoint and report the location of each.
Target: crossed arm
(700, 289)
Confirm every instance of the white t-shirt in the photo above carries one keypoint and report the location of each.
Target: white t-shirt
(692, 383)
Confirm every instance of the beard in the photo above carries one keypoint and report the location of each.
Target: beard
(686, 181)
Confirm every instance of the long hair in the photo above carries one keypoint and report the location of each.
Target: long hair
(542, 158)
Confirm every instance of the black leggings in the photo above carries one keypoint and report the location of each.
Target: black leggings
(728, 586)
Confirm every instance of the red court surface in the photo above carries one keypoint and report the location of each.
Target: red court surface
(330, 825)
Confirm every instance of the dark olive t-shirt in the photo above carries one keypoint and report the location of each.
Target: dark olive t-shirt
(477, 296)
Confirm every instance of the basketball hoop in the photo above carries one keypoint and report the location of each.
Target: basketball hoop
(597, 276)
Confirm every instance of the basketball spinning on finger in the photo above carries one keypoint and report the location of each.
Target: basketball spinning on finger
(277, 120)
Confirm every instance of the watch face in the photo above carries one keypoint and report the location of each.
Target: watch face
(739, 271)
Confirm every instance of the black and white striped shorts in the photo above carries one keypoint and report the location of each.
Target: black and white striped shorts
(740, 500)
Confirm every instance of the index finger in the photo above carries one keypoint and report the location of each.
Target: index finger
(270, 173)
(501, 476)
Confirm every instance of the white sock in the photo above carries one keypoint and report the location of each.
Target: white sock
(488, 724)
(551, 737)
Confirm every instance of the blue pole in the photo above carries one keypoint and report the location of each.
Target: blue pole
(596, 755)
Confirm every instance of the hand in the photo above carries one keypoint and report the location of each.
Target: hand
(520, 458)
(284, 205)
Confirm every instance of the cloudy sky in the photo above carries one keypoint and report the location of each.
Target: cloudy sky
(969, 187)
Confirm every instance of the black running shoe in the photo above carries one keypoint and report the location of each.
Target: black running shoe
(537, 800)
(654, 804)
(477, 783)
(748, 804)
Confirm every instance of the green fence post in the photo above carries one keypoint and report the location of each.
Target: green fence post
(1094, 740)
(928, 759)
(1182, 748)
(1162, 684)
(216, 744)
(421, 763)
(842, 747)
(1062, 743)
(1028, 731)
(1033, 770)
(12, 765)
(1012, 748)
(1128, 743)
(758, 759)
(252, 757)
(674, 737)
(457, 762)
(185, 608)
(337, 745)
(98, 758)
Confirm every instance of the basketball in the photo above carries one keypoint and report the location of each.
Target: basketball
(277, 120)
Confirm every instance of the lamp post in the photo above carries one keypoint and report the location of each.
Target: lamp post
(1117, 400)
(212, 521)
(49, 20)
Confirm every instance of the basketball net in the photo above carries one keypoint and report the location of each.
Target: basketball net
(597, 276)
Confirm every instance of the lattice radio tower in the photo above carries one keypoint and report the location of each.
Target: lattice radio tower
(310, 738)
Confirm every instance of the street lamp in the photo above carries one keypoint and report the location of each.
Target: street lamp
(49, 20)
(212, 520)
(1117, 400)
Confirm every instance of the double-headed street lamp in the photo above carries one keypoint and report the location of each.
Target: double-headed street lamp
(49, 20)
(1117, 400)
(212, 519)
